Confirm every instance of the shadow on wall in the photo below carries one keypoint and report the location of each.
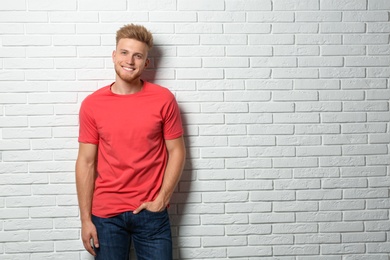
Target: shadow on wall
(155, 55)
(180, 197)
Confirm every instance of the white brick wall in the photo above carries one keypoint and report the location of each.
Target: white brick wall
(286, 111)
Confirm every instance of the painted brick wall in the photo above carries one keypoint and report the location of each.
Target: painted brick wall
(286, 112)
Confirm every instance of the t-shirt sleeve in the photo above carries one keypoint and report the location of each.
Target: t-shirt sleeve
(87, 130)
(172, 127)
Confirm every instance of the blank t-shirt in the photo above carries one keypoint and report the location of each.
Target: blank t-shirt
(130, 132)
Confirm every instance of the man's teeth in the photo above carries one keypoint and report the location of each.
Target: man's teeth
(128, 69)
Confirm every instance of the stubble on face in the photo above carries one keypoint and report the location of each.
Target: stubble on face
(130, 60)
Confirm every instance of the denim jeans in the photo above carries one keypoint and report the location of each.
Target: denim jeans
(149, 231)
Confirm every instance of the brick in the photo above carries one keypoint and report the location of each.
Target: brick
(378, 248)
(380, 27)
(250, 5)
(343, 95)
(349, 50)
(13, 6)
(271, 107)
(319, 107)
(298, 140)
(35, 201)
(290, 50)
(271, 152)
(345, 139)
(223, 241)
(296, 184)
(343, 5)
(364, 128)
(248, 207)
(271, 240)
(294, 228)
(296, 250)
(343, 249)
(74, 17)
(224, 219)
(315, 16)
(210, 230)
(198, 28)
(248, 51)
(89, 5)
(367, 61)
(249, 251)
(317, 238)
(29, 247)
(202, 186)
(53, 235)
(227, 130)
(201, 5)
(11, 28)
(53, 212)
(248, 163)
(342, 28)
(319, 39)
(269, 17)
(253, 28)
(316, 173)
(271, 39)
(201, 209)
(365, 193)
(153, 5)
(319, 216)
(342, 73)
(270, 129)
(295, 28)
(201, 51)
(295, 206)
(374, 16)
(199, 74)
(378, 49)
(22, 179)
(221, 16)
(169, 16)
(16, 40)
(211, 253)
(248, 229)
(225, 39)
(56, 255)
(295, 5)
(365, 39)
(225, 197)
(240, 185)
(272, 195)
(13, 236)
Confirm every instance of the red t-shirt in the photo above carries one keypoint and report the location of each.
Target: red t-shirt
(130, 131)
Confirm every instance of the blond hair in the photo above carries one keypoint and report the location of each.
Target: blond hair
(136, 32)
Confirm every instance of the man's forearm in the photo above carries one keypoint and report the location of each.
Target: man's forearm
(173, 170)
(85, 178)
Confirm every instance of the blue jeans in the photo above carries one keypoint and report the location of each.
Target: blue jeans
(149, 231)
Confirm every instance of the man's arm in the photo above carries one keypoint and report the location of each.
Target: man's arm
(176, 158)
(85, 181)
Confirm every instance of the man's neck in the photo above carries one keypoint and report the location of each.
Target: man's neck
(121, 87)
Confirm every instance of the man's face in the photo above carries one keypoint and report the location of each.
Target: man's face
(130, 59)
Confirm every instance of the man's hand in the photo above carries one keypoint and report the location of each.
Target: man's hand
(89, 235)
(154, 206)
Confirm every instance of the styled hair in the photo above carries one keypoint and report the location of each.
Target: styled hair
(136, 32)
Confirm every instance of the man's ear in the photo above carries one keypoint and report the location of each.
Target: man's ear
(147, 62)
(113, 55)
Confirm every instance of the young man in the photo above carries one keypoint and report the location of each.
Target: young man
(131, 155)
